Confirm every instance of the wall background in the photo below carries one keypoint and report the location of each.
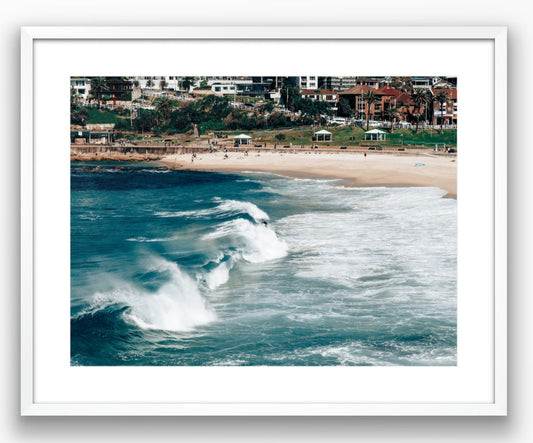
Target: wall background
(512, 13)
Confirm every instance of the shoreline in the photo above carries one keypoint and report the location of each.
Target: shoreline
(354, 168)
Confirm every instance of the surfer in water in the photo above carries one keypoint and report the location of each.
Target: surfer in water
(265, 223)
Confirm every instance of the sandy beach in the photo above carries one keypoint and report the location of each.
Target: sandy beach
(375, 169)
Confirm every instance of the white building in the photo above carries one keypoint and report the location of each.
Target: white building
(308, 82)
(81, 86)
(170, 82)
(223, 89)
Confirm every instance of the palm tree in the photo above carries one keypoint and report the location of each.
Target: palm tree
(393, 114)
(441, 98)
(164, 106)
(98, 86)
(420, 97)
(370, 98)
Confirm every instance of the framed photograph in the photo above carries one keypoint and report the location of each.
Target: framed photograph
(263, 221)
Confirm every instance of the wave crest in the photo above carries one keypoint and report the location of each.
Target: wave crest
(224, 208)
(255, 243)
(177, 305)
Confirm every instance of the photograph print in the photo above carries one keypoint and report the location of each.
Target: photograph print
(263, 221)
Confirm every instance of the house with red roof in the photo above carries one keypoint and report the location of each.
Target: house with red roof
(354, 96)
(447, 113)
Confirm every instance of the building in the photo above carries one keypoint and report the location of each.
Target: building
(224, 88)
(308, 82)
(117, 89)
(448, 114)
(375, 134)
(324, 95)
(337, 83)
(242, 139)
(421, 82)
(81, 87)
(355, 99)
(322, 136)
(373, 82)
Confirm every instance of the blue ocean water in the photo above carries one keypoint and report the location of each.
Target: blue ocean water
(173, 267)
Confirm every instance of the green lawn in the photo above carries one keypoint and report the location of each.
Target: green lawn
(101, 116)
(346, 136)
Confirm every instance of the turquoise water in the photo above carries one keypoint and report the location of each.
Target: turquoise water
(178, 268)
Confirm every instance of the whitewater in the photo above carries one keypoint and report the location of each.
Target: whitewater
(205, 268)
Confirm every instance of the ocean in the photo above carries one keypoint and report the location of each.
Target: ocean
(172, 267)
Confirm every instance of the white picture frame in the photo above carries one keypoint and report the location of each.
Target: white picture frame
(36, 177)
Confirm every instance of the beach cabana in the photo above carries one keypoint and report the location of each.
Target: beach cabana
(322, 136)
(242, 139)
(375, 134)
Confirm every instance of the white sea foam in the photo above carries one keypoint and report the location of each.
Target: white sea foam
(175, 306)
(218, 276)
(150, 240)
(255, 243)
(249, 208)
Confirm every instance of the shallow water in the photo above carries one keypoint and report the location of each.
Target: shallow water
(176, 267)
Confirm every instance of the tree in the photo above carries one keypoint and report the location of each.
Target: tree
(164, 106)
(74, 98)
(180, 120)
(369, 98)
(403, 84)
(343, 108)
(420, 98)
(147, 119)
(441, 98)
(393, 114)
(79, 116)
(150, 82)
(187, 83)
(277, 119)
(416, 117)
(289, 94)
(311, 110)
(267, 107)
(98, 86)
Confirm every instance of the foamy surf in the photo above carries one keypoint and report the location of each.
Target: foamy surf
(256, 243)
(370, 278)
(177, 305)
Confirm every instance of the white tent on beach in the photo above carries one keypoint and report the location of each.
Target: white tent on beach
(375, 134)
(322, 136)
(242, 139)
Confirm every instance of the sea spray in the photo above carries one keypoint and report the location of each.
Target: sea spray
(176, 305)
(256, 243)
(218, 275)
